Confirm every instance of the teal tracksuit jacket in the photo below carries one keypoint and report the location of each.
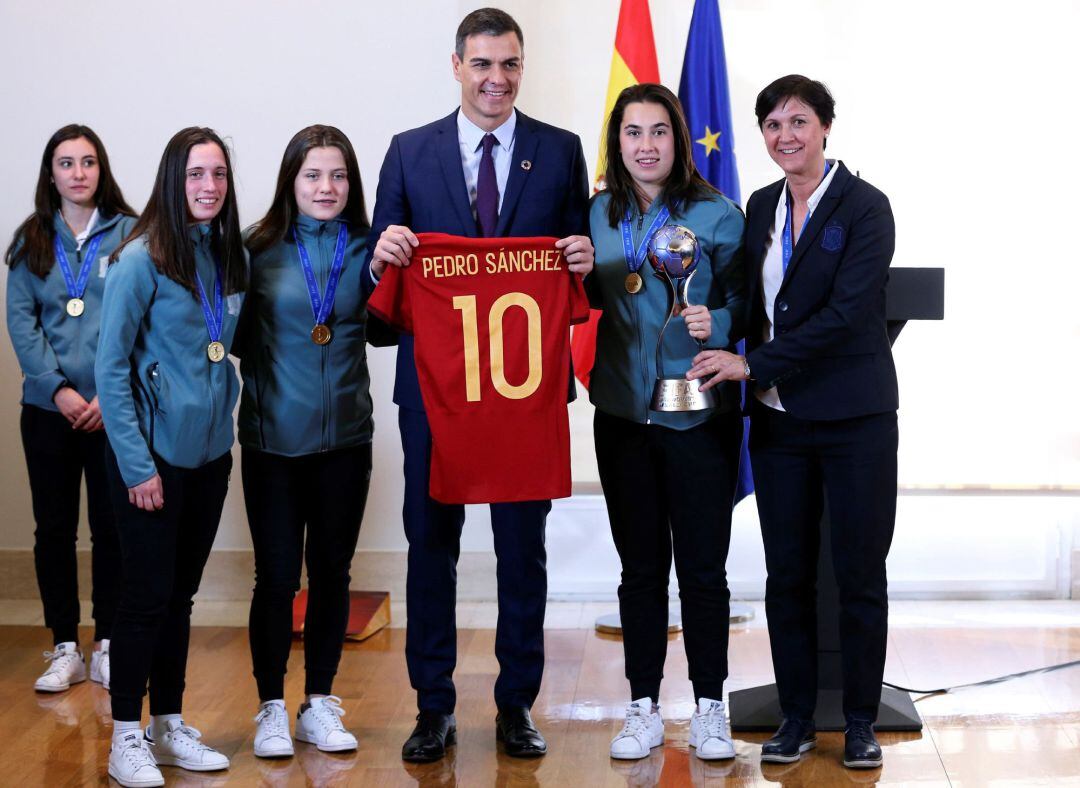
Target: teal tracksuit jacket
(53, 348)
(625, 368)
(159, 392)
(299, 397)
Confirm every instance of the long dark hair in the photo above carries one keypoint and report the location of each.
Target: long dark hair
(165, 220)
(283, 211)
(33, 239)
(683, 185)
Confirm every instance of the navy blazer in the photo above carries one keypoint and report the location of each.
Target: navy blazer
(830, 356)
(422, 186)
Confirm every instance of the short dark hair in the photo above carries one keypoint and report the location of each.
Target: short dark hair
(809, 91)
(683, 186)
(487, 22)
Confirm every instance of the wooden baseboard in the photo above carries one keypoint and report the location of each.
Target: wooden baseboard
(229, 575)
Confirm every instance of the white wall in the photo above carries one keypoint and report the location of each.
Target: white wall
(960, 113)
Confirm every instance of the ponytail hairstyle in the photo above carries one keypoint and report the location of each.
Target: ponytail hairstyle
(33, 239)
(165, 220)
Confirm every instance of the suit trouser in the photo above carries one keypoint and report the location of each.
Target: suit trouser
(798, 465)
(433, 531)
(57, 457)
(671, 490)
(164, 553)
(323, 495)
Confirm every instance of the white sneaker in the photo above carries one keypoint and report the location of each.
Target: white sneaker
(181, 747)
(99, 665)
(709, 732)
(131, 763)
(320, 724)
(66, 667)
(643, 730)
(272, 738)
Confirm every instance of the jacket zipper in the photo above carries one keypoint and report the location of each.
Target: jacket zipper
(78, 323)
(641, 338)
(152, 402)
(213, 407)
(324, 356)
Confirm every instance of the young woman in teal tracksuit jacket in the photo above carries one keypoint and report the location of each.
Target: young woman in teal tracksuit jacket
(58, 260)
(167, 389)
(668, 477)
(305, 426)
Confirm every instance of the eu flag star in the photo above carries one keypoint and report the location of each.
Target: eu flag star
(710, 141)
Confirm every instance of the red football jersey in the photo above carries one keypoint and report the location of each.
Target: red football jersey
(491, 323)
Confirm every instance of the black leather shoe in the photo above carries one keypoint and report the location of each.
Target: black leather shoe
(791, 740)
(861, 749)
(514, 728)
(434, 732)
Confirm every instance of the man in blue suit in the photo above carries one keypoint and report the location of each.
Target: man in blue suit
(484, 170)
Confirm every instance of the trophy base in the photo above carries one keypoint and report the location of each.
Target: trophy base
(680, 395)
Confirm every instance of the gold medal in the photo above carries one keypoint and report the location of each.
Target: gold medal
(76, 306)
(633, 283)
(215, 351)
(320, 335)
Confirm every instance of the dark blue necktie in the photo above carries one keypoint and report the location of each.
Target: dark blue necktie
(487, 190)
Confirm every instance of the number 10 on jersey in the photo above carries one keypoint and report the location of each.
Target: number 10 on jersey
(467, 306)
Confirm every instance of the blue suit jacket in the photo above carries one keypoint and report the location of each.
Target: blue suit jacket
(830, 356)
(422, 186)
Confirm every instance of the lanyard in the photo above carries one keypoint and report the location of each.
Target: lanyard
(322, 306)
(215, 318)
(77, 288)
(788, 244)
(634, 260)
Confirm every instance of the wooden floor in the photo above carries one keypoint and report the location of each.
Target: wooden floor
(1019, 733)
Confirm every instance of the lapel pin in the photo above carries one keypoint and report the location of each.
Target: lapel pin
(526, 165)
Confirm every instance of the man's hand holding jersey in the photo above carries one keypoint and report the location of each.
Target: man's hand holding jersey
(396, 243)
(578, 251)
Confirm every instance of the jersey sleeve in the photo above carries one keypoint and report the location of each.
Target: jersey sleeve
(390, 302)
(579, 301)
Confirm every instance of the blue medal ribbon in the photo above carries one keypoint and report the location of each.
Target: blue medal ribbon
(787, 247)
(214, 318)
(321, 306)
(77, 288)
(634, 260)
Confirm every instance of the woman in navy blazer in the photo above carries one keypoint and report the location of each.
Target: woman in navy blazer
(823, 415)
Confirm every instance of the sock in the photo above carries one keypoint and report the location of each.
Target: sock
(159, 724)
(122, 727)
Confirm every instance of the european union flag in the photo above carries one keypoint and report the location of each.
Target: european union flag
(703, 91)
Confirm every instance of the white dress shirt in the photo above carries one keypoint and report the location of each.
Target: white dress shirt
(470, 137)
(772, 270)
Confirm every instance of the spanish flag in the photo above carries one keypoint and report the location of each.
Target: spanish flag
(632, 62)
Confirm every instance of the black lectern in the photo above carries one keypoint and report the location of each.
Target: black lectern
(912, 294)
